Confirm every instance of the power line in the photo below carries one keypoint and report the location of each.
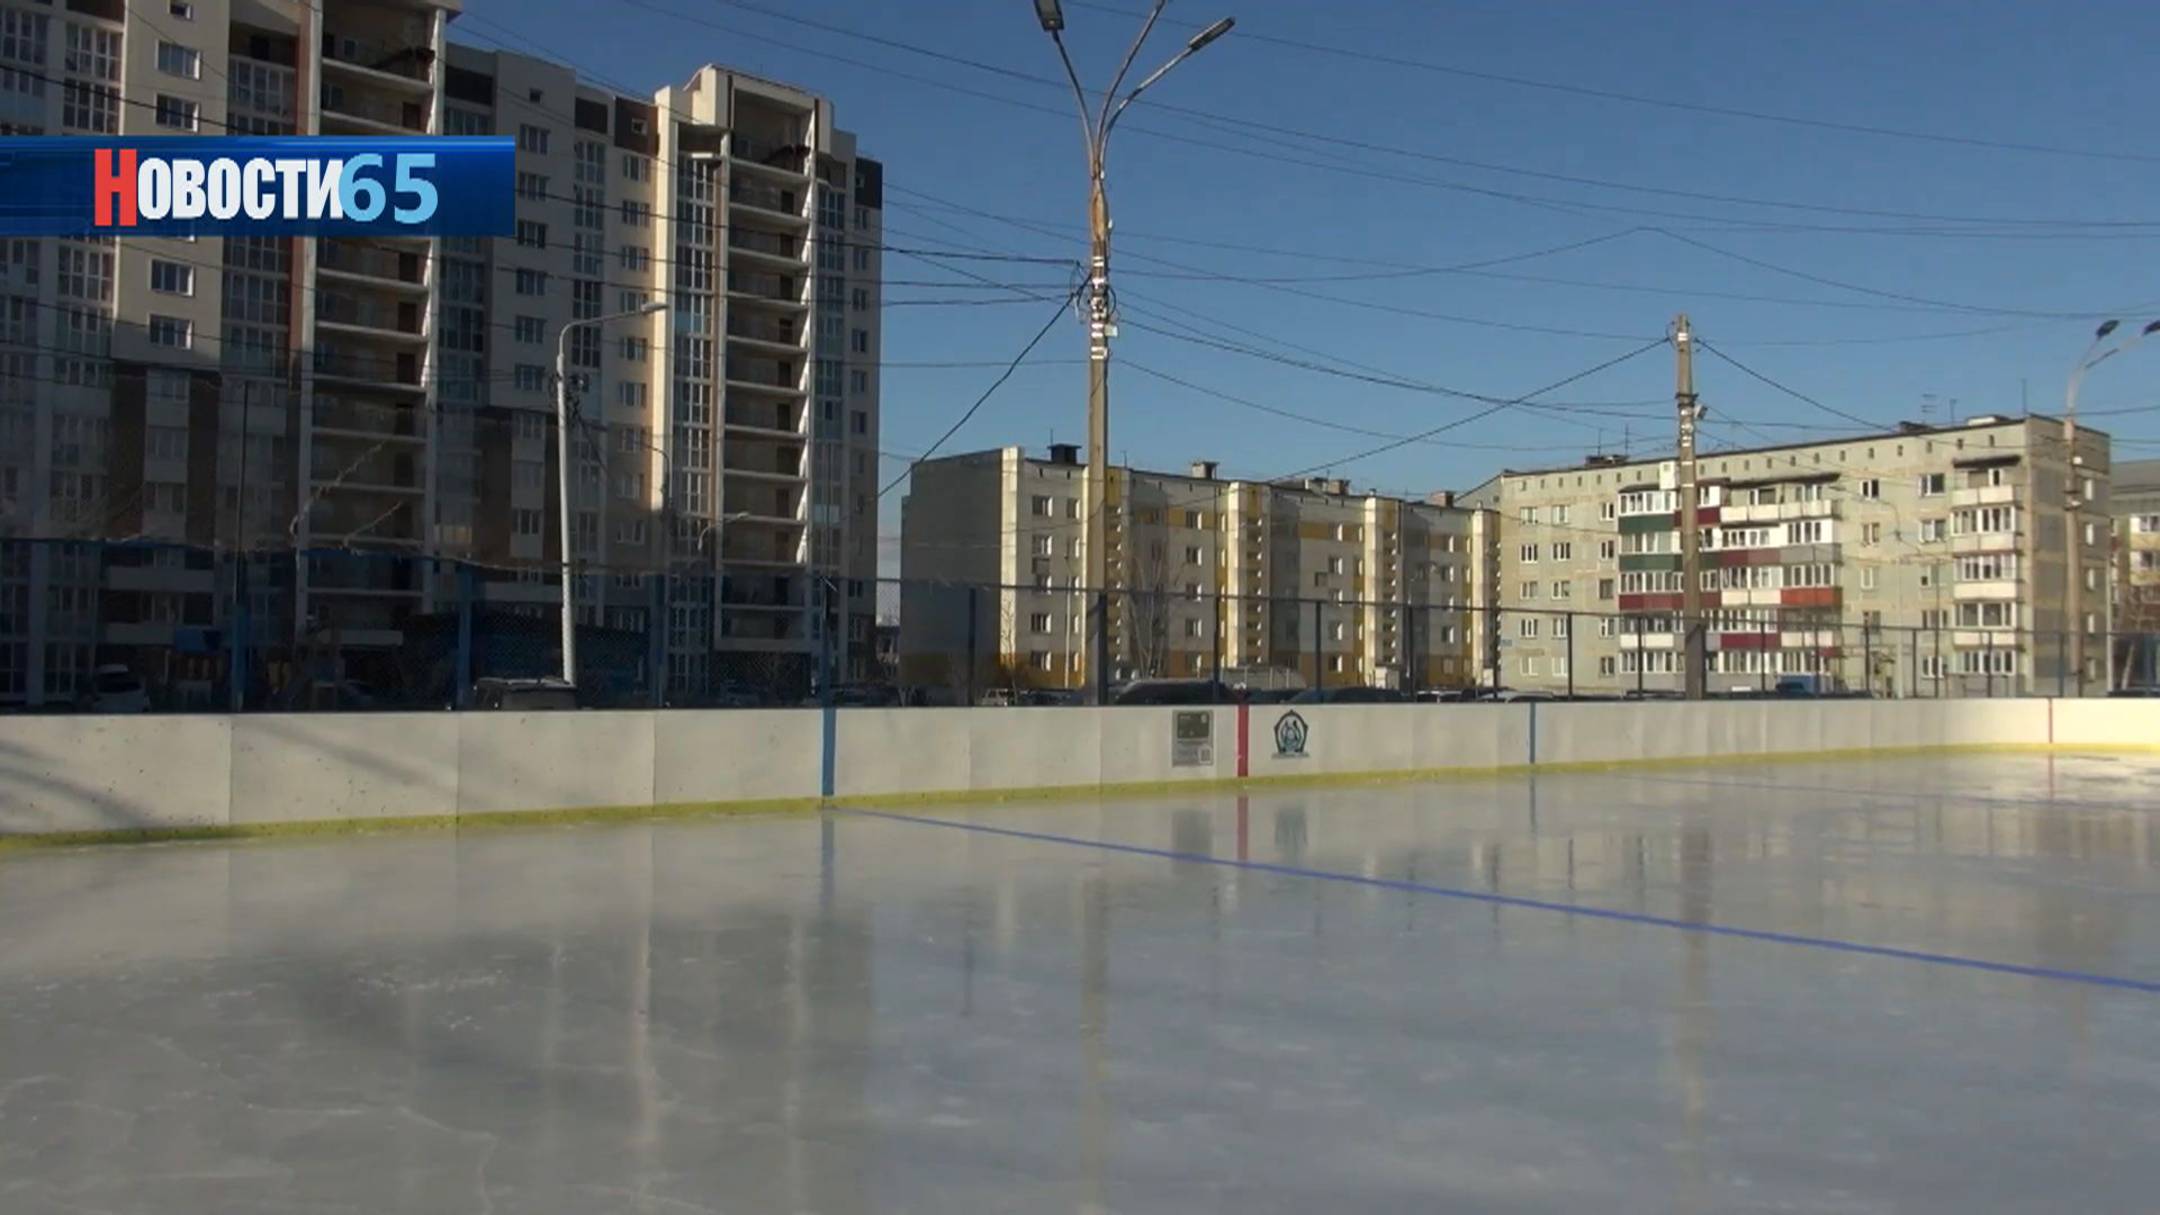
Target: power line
(1276, 130)
(1794, 393)
(1303, 45)
(1007, 374)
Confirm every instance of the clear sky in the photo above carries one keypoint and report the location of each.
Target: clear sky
(1344, 145)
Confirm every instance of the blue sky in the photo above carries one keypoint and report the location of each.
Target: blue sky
(1980, 284)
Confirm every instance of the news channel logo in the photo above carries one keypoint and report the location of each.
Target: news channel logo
(192, 185)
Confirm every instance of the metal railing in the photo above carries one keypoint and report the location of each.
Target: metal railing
(374, 623)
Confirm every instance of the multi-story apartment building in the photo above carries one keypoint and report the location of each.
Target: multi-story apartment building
(1266, 581)
(737, 432)
(395, 398)
(2134, 495)
(1925, 561)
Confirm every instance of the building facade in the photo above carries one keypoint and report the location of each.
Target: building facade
(380, 403)
(1924, 561)
(1275, 584)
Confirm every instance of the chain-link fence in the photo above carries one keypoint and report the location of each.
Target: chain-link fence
(136, 627)
(1036, 644)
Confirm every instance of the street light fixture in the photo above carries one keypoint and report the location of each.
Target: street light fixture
(1096, 123)
(2074, 500)
(562, 473)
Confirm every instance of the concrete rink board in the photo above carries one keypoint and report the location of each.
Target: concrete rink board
(1302, 1001)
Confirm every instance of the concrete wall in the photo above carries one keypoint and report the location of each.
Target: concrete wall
(113, 774)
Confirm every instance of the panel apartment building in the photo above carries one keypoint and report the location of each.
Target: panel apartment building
(394, 398)
(1296, 583)
(1929, 560)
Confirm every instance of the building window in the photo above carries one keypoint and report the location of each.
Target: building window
(1604, 588)
(1933, 484)
(172, 278)
(529, 329)
(1867, 578)
(530, 282)
(530, 377)
(636, 349)
(1606, 511)
(176, 60)
(532, 185)
(1528, 554)
(858, 381)
(531, 234)
(532, 139)
(1529, 665)
(1605, 550)
(1563, 589)
(1526, 627)
(1563, 552)
(171, 332)
(1039, 506)
(525, 521)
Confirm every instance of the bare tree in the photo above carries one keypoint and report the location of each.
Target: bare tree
(1148, 594)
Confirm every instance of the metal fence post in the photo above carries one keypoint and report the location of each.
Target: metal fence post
(461, 695)
(656, 640)
(1320, 645)
(2062, 663)
(1987, 661)
(1215, 623)
(1413, 658)
(1102, 646)
(237, 668)
(1567, 622)
(1640, 665)
(969, 662)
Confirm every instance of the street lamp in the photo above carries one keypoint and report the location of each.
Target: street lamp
(2073, 498)
(562, 473)
(1095, 127)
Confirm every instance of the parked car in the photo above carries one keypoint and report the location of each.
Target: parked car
(1518, 695)
(523, 695)
(1048, 697)
(1348, 695)
(734, 694)
(866, 696)
(997, 698)
(1174, 692)
(1268, 696)
(116, 689)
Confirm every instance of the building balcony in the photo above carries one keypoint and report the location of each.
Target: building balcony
(367, 420)
(774, 155)
(2006, 588)
(363, 370)
(1984, 495)
(782, 204)
(775, 420)
(1985, 542)
(403, 321)
(769, 245)
(388, 64)
(1985, 639)
(778, 333)
(760, 287)
(352, 111)
(400, 270)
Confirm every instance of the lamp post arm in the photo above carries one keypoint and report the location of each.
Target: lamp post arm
(1102, 123)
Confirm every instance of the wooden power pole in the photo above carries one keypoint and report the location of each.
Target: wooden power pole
(1691, 618)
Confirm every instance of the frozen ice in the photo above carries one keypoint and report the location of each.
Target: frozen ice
(1279, 1002)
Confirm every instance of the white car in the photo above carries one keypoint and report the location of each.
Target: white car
(115, 689)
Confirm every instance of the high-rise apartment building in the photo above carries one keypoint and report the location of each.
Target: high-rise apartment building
(1305, 579)
(1925, 561)
(395, 398)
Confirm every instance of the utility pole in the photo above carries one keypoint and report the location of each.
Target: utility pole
(1691, 623)
(1096, 124)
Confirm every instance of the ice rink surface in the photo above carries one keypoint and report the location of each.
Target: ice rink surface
(1932, 986)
